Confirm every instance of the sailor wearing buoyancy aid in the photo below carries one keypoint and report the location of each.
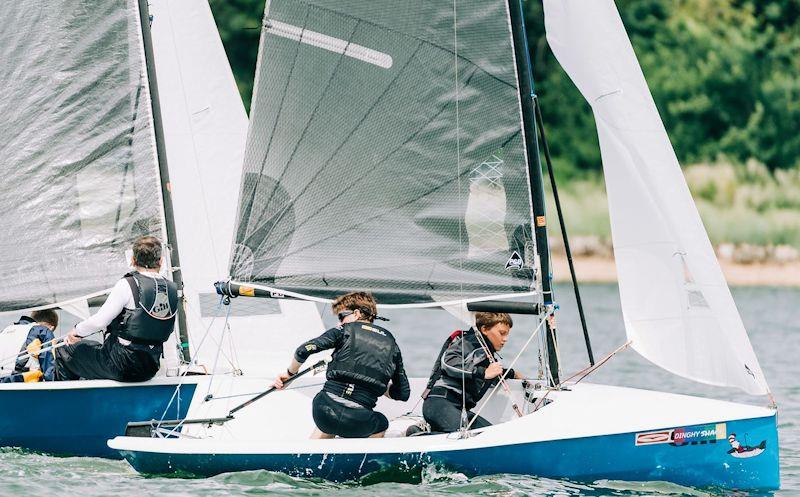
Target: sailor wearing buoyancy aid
(464, 372)
(139, 315)
(366, 364)
(32, 364)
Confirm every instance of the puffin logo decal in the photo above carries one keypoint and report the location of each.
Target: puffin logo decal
(515, 261)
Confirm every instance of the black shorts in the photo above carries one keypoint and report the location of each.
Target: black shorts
(444, 415)
(336, 418)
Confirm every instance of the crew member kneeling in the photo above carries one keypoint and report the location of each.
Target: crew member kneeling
(138, 317)
(366, 364)
(464, 372)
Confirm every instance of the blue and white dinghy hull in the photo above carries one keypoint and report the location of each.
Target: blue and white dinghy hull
(77, 418)
(580, 436)
(613, 457)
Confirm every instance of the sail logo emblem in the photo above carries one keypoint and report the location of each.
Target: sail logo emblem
(515, 261)
(683, 436)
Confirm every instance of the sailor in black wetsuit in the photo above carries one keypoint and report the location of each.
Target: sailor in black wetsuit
(463, 372)
(366, 364)
(138, 317)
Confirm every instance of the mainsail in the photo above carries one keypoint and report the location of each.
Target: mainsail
(386, 152)
(678, 309)
(77, 149)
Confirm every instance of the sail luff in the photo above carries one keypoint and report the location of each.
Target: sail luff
(534, 168)
(163, 171)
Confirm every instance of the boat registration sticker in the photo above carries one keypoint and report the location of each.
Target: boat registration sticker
(700, 434)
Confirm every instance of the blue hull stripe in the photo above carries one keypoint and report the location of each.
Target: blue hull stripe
(79, 421)
(697, 464)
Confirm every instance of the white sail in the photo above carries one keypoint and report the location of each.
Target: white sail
(205, 128)
(678, 309)
(77, 150)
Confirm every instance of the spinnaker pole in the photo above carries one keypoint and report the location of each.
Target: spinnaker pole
(527, 96)
(166, 187)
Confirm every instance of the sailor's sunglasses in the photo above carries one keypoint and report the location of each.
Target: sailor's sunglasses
(344, 314)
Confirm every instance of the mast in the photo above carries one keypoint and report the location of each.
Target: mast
(166, 187)
(527, 97)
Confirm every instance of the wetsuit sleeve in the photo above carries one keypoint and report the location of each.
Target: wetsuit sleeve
(400, 388)
(328, 340)
(474, 362)
(113, 305)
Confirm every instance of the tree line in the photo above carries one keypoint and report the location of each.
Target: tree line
(725, 76)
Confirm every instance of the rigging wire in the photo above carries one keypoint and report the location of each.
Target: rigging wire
(503, 376)
(186, 371)
(584, 372)
(502, 381)
(460, 201)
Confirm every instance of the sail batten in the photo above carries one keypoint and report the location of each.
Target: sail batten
(677, 307)
(407, 178)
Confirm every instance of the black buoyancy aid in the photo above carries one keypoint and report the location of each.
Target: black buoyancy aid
(366, 357)
(436, 372)
(153, 319)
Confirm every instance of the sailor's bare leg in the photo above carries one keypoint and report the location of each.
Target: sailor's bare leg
(377, 435)
(320, 435)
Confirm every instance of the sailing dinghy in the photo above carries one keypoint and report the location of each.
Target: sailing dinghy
(394, 146)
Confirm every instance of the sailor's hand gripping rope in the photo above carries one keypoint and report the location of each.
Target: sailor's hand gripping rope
(503, 382)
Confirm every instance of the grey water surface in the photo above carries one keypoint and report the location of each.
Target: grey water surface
(771, 315)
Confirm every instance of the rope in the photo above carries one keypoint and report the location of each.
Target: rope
(186, 371)
(219, 350)
(492, 360)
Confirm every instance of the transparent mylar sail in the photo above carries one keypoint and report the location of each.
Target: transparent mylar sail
(77, 151)
(386, 153)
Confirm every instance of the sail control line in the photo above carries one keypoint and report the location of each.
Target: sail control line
(492, 360)
(148, 429)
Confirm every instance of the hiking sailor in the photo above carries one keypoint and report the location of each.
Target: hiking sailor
(138, 316)
(463, 361)
(366, 364)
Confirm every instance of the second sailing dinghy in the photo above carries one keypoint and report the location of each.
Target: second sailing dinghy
(394, 147)
(85, 135)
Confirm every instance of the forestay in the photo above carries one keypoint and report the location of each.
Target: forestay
(77, 150)
(678, 309)
(385, 152)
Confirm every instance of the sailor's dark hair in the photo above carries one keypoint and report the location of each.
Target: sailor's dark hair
(49, 316)
(364, 302)
(147, 252)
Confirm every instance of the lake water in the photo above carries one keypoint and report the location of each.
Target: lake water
(771, 315)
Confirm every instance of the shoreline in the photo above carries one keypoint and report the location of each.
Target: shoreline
(598, 269)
